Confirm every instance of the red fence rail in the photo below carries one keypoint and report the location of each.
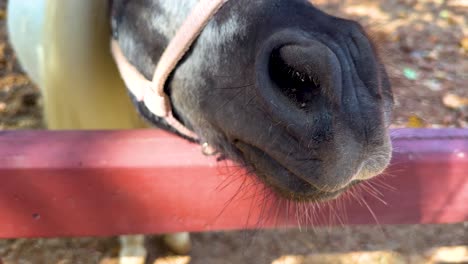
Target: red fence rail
(119, 182)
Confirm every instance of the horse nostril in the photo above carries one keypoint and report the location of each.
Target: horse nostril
(295, 79)
(298, 80)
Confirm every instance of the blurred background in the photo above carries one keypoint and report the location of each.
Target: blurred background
(424, 44)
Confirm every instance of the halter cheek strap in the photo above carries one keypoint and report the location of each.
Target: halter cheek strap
(151, 93)
(140, 87)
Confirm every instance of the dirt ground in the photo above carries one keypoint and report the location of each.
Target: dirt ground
(425, 46)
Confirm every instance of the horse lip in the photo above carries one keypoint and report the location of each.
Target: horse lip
(312, 194)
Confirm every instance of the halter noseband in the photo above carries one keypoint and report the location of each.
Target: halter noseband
(151, 93)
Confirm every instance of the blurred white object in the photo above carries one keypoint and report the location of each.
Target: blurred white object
(64, 46)
(25, 29)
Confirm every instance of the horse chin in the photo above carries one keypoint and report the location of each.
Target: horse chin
(291, 186)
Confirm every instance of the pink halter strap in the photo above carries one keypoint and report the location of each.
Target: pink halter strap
(152, 92)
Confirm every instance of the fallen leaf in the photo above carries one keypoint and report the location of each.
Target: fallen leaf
(415, 121)
(3, 107)
(441, 75)
(2, 51)
(13, 79)
(464, 44)
(454, 101)
(173, 260)
(433, 85)
(444, 14)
